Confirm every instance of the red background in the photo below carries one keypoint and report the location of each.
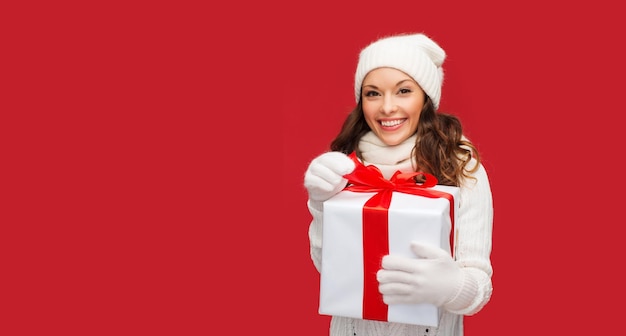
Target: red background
(154, 152)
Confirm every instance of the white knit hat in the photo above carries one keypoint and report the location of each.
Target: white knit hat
(416, 55)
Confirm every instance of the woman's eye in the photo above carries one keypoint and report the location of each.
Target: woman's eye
(371, 93)
(402, 91)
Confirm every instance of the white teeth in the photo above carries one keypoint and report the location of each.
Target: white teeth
(390, 123)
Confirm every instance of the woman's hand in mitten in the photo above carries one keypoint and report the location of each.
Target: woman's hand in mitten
(324, 176)
(434, 277)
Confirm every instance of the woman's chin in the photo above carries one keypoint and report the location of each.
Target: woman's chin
(392, 139)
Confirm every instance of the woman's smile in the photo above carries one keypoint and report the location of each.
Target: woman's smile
(392, 124)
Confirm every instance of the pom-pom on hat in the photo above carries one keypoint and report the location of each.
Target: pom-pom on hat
(414, 54)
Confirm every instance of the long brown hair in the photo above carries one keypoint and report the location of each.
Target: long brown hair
(438, 149)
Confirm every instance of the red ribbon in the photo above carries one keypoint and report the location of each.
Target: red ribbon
(375, 222)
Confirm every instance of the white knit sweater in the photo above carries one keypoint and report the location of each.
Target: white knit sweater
(472, 250)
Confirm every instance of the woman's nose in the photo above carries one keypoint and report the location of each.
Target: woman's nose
(388, 105)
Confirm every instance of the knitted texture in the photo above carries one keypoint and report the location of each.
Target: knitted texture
(416, 55)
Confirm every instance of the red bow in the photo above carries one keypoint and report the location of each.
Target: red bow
(370, 179)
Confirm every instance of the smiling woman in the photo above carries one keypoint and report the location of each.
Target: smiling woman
(392, 104)
(395, 130)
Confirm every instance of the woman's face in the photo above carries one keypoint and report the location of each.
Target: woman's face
(392, 103)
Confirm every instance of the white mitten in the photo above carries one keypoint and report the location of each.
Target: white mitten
(434, 277)
(324, 176)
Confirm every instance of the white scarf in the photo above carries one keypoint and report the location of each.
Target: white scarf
(387, 158)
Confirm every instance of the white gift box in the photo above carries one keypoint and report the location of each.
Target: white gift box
(410, 218)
